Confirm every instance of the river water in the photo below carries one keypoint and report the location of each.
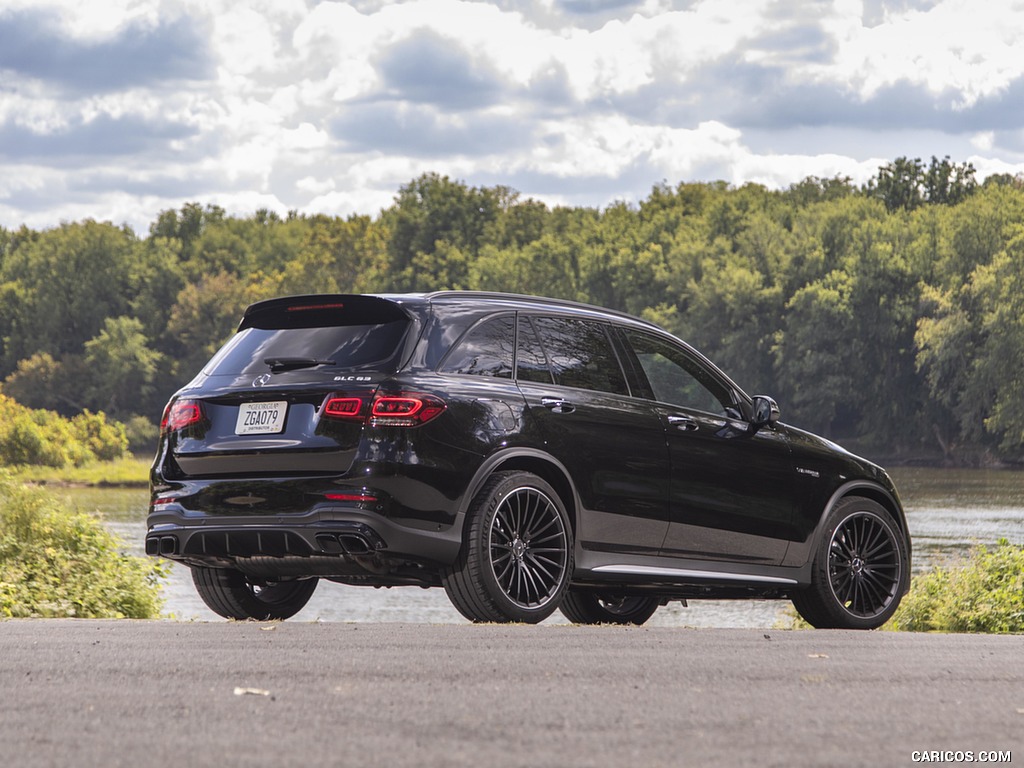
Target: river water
(949, 513)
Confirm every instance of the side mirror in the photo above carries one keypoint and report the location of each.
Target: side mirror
(766, 412)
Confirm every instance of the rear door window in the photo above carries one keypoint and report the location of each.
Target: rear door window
(531, 364)
(580, 354)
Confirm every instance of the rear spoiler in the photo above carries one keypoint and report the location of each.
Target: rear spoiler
(322, 309)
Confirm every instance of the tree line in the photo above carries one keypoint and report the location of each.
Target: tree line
(889, 315)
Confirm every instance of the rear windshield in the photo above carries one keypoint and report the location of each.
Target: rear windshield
(375, 346)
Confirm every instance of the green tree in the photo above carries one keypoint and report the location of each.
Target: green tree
(618, 268)
(57, 289)
(817, 374)
(981, 227)
(519, 222)
(899, 184)
(121, 369)
(948, 183)
(946, 340)
(40, 381)
(186, 225)
(884, 302)
(970, 344)
(348, 255)
(543, 267)
(732, 316)
(813, 189)
(430, 213)
(203, 317)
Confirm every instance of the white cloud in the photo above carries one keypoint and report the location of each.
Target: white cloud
(957, 46)
(984, 141)
(117, 109)
(92, 20)
(245, 41)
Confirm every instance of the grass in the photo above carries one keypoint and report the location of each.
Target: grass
(128, 472)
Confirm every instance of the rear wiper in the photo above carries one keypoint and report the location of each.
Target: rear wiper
(279, 364)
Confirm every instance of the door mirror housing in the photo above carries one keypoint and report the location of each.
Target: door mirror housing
(765, 412)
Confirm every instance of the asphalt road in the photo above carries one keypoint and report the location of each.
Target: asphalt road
(127, 693)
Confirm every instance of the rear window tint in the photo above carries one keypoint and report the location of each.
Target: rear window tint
(531, 365)
(581, 354)
(484, 351)
(374, 346)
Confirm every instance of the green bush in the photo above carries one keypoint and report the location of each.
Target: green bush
(106, 440)
(143, 435)
(24, 441)
(44, 438)
(985, 593)
(59, 564)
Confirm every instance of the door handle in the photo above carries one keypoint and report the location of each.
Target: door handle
(557, 405)
(683, 423)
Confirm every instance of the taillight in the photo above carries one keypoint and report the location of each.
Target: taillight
(181, 414)
(344, 407)
(403, 409)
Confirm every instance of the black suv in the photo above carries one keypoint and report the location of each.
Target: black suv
(524, 453)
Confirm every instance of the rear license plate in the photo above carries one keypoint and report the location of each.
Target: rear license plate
(261, 418)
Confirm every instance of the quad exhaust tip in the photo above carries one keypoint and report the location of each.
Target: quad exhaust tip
(164, 546)
(344, 544)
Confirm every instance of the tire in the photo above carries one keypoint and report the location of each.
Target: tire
(230, 594)
(516, 558)
(603, 608)
(860, 570)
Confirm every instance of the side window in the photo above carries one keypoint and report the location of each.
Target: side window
(675, 377)
(581, 354)
(531, 364)
(485, 351)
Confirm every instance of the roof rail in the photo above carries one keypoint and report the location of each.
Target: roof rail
(498, 295)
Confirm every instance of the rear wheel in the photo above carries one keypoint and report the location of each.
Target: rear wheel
(601, 608)
(516, 557)
(230, 594)
(860, 569)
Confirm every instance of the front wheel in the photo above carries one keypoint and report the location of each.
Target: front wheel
(600, 608)
(230, 594)
(516, 558)
(860, 569)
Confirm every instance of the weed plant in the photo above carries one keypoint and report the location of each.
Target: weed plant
(56, 563)
(983, 593)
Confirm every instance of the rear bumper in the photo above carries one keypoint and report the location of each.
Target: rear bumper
(327, 530)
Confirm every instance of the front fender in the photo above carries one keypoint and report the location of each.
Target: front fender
(801, 554)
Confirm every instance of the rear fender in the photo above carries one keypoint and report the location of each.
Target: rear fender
(539, 463)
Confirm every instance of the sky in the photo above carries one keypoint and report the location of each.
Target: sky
(116, 110)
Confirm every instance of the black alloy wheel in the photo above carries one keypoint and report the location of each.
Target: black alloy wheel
(861, 569)
(600, 608)
(230, 594)
(517, 556)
